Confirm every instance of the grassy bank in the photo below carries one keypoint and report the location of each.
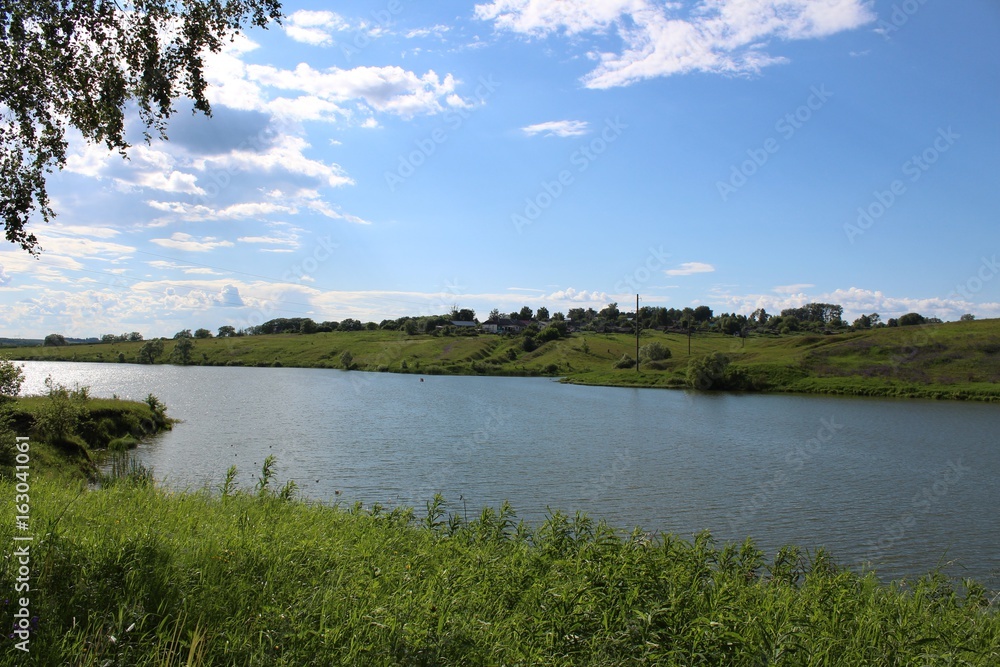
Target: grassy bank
(135, 575)
(72, 433)
(956, 360)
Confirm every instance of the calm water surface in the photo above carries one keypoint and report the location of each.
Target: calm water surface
(906, 485)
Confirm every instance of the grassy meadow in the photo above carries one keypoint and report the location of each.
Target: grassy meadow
(959, 360)
(135, 575)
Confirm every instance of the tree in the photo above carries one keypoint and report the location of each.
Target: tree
(495, 315)
(227, 331)
(911, 319)
(82, 65)
(702, 314)
(610, 313)
(968, 317)
(202, 333)
(54, 340)
(135, 337)
(347, 360)
(11, 378)
(542, 314)
(525, 313)
(150, 350)
(184, 333)
(182, 351)
(463, 315)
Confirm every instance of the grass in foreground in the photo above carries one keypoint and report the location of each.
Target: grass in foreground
(136, 575)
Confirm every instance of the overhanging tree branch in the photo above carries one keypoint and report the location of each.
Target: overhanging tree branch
(69, 63)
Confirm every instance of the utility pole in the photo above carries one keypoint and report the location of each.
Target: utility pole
(636, 333)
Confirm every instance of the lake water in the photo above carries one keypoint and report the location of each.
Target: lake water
(905, 485)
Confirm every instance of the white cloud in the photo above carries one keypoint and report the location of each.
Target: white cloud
(436, 30)
(388, 89)
(718, 36)
(174, 181)
(286, 154)
(84, 230)
(186, 242)
(557, 128)
(314, 27)
(690, 268)
(797, 288)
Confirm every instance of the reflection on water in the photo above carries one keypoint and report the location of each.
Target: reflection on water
(905, 484)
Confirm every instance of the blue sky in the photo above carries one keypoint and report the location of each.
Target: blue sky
(379, 159)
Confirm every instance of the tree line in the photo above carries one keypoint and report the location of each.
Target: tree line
(812, 317)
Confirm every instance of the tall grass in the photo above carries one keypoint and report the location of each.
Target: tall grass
(136, 575)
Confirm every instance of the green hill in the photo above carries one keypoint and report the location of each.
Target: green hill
(951, 360)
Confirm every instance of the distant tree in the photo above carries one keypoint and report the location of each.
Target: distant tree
(525, 313)
(968, 317)
(202, 333)
(410, 327)
(109, 338)
(463, 315)
(911, 319)
(150, 350)
(182, 350)
(542, 314)
(135, 337)
(183, 333)
(371, 326)
(558, 317)
(350, 324)
(702, 314)
(610, 312)
(577, 315)
(495, 315)
(347, 359)
(227, 331)
(54, 340)
(307, 326)
(863, 322)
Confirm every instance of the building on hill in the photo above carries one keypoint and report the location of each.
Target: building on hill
(504, 325)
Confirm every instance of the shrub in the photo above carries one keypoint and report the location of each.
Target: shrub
(707, 372)
(625, 362)
(654, 351)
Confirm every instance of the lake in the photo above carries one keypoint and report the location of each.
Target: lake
(906, 485)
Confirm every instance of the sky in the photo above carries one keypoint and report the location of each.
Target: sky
(379, 159)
